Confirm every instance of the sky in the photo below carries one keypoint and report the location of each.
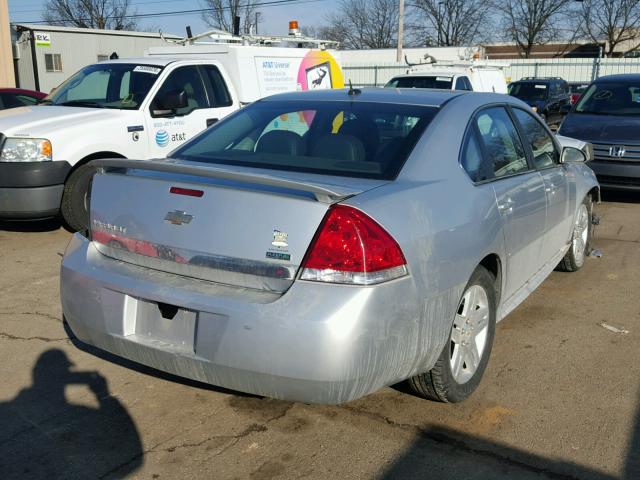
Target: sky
(274, 19)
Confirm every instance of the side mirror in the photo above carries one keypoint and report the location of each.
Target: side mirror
(572, 155)
(171, 102)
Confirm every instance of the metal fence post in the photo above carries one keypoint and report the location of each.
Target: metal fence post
(535, 69)
(375, 76)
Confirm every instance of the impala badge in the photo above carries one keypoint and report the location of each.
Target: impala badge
(178, 218)
(280, 239)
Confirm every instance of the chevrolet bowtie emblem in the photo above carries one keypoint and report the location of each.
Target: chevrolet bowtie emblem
(178, 218)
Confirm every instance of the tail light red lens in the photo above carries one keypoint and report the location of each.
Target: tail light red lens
(350, 247)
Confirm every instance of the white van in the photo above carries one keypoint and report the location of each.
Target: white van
(475, 76)
(138, 108)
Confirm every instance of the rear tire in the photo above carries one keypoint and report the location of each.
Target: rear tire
(580, 239)
(459, 369)
(75, 198)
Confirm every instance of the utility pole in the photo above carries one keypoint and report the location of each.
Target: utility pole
(400, 30)
(7, 75)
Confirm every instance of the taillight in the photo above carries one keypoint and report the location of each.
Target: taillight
(350, 247)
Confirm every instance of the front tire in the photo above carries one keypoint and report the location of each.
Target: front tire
(580, 239)
(75, 198)
(459, 369)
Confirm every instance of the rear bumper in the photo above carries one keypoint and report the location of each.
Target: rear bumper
(30, 190)
(617, 176)
(315, 344)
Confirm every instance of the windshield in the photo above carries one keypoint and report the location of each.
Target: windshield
(356, 139)
(611, 98)
(529, 91)
(106, 85)
(421, 82)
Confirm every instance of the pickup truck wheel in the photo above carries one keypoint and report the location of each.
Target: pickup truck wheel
(580, 239)
(75, 198)
(461, 364)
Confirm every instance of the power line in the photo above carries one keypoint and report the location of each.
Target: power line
(133, 4)
(272, 3)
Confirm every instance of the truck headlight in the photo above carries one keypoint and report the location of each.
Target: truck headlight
(26, 150)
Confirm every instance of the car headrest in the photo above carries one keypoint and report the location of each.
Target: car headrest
(281, 142)
(364, 130)
(339, 147)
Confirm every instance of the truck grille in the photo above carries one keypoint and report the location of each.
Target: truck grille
(615, 152)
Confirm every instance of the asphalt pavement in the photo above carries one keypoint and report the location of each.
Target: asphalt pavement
(560, 398)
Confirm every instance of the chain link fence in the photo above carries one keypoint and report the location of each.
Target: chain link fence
(570, 69)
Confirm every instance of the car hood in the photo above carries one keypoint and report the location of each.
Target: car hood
(43, 120)
(601, 128)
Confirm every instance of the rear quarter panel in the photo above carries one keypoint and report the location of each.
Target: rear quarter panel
(444, 224)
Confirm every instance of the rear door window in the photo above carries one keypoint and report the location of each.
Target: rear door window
(462, 83)
(501, 143)
(472, 160)
(441, 82)
(216, 87)
(544, 150)
(356, 139)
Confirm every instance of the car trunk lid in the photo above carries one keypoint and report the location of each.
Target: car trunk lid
(237, 226)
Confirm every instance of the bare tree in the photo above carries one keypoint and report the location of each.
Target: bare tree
(102, 14)
(452, 23)
(221, 14)
(533, 22)
(616, 21)
(363, 24)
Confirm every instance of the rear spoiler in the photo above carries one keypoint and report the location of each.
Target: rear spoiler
(323, 194)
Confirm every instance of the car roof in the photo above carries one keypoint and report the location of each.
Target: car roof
(434, 73)
(630, 77)
(23, 91)
(404, 96)
(537, 80)
(158, 61)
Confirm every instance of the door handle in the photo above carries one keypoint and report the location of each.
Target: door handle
(506, 206)
(551, 189)
(211, 121)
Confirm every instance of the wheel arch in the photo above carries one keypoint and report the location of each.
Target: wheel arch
(493, 264)
(93, 156)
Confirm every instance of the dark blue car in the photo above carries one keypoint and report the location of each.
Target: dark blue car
(608, 116)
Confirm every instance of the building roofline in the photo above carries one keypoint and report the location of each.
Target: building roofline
(93, 31)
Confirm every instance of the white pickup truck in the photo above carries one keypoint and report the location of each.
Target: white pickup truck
(138, 108)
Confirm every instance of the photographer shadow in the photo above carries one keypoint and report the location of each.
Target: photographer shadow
(42, 435)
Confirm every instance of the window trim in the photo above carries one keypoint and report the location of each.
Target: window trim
(473, 125)
(53, 63)
(529, 151)
(209, 88)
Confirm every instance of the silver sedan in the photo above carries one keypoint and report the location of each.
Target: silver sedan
(317, 246)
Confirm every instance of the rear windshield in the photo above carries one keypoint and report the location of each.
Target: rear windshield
(611, 98)
(578, 87)
(421, 82)
(355, 139)
(529, 91)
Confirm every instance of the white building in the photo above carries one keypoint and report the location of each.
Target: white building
(44, 56)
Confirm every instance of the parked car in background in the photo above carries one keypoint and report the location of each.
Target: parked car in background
(325, 244)
(472, 76)
(19, 97)
(608, 116)
(547, 96)
(575, 90)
